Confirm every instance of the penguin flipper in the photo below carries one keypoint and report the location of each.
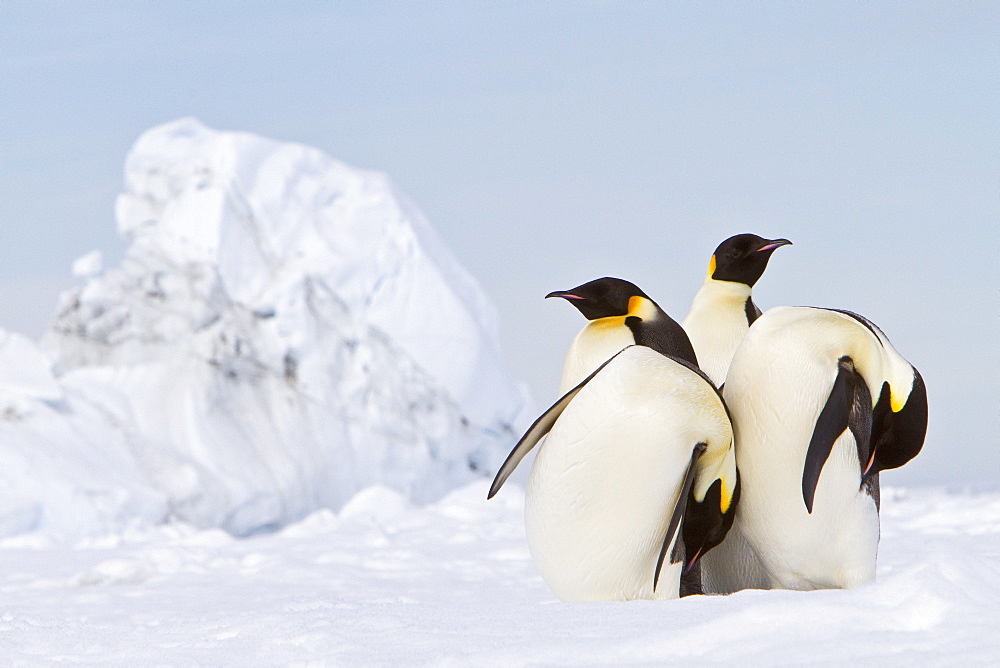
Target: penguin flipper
(679, 508)
(538, 429)
(832, 422)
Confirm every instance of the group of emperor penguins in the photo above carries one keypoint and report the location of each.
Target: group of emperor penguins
(735, 450)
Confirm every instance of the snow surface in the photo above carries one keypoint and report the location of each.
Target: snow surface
(385, 582)
(283, 331)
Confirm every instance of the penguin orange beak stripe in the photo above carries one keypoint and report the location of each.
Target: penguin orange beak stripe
(771, 245)
(564, 295)
(691, 562)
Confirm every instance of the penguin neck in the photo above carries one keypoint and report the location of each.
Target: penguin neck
(664, 335)
(597, 342)
(715, 294)
(716, 324)
(879, 362)
(873, 356)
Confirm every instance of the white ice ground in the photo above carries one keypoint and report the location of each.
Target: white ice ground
(388, 583)
(266, 438)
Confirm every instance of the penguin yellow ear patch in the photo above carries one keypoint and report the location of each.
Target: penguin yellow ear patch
(727, 496)
(641, 307)
(711, 267)
(895, 401)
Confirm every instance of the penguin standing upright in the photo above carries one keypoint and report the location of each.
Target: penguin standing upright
(723, 309)
(620, 315)
(821, 403)
(635, 480)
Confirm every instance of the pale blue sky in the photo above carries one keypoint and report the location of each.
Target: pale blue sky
(552, 143)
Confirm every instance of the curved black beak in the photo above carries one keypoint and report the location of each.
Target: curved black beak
(774, 243)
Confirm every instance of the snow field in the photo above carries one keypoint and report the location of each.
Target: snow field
(384, 582)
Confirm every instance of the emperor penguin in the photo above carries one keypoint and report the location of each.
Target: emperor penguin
(635, 480)
(723, 309)
(821, 403)
(619, 315)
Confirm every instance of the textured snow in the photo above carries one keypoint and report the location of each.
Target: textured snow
(24, 372)
(284, 331)
(386, 582)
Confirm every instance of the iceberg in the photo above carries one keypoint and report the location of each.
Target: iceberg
(283, 331)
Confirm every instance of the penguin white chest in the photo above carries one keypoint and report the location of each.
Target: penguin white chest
(594, 345)
(777, 387)
(835, 545)
(606, 479)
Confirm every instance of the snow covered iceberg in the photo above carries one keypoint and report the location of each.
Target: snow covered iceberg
(283, 331)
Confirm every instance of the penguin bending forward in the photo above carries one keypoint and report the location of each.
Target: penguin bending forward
(723, 309)
(620, 315)
(821, 403)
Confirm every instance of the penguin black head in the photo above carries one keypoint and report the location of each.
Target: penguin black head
(704, 525)
(616, 298)
(898, 433)
(743, 258)
(602, 298)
